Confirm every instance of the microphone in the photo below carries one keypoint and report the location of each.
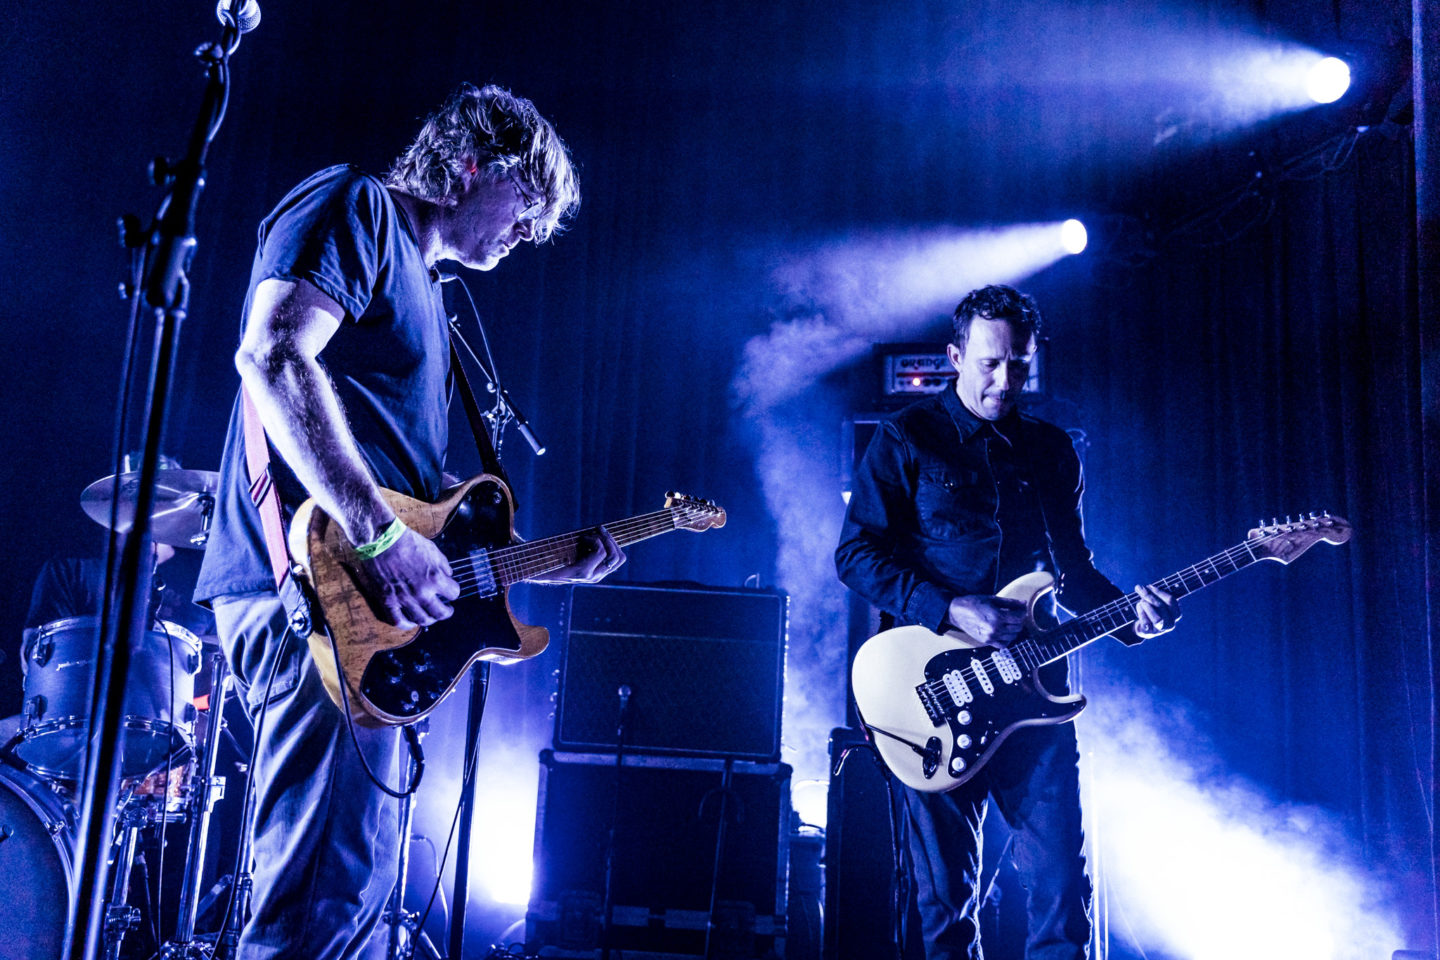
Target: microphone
(247, 18)
(624, 693)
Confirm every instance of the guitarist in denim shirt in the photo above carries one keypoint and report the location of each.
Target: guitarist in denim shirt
(956, 496)
(344, 352)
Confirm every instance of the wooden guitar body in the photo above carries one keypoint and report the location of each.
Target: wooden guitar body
(394, 676)
(383, 675)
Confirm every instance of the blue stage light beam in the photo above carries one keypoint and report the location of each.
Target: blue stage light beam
(502, 858)
(838, 297)
(1201, 864)
(507, 778)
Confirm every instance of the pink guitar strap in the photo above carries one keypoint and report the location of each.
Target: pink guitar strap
(266, 498)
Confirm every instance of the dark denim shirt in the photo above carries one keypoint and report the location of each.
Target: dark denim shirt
(945, 504)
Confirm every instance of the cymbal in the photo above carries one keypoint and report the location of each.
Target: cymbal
(184, 501)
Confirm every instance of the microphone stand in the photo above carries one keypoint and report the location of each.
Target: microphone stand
(622, 725)
(501, 415)
(505, 411)
(170, 246)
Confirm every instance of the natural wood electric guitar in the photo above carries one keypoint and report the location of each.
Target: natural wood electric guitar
(940, 706)
(395, 676)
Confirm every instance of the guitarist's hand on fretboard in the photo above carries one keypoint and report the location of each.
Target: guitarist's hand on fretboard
(600, 557)
(409, 584)
(1156, 613)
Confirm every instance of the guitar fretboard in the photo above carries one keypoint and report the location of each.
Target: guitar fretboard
(535, 558)
(1070, 636)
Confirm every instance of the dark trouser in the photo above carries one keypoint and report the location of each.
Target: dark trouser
(1034, 781)
(325, 836)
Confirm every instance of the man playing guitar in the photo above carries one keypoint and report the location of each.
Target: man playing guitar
(958, 494)
(345, 357)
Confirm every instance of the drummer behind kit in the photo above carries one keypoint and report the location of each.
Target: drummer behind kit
(166, 776)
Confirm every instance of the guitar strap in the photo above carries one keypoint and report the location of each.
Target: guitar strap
(489, 457)
(266, 499)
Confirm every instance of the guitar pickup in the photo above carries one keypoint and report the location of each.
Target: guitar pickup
(481, 575)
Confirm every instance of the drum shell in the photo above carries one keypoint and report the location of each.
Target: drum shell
(157, 700)
(37, 878)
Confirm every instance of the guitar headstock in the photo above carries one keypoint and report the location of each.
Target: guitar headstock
(692, 513)
(1286, 541)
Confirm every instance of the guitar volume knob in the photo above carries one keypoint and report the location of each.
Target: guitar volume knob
(957, 765)
(963, 716)
(963, 741)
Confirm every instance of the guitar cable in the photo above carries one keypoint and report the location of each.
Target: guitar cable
(925, 753)
(467, 780)
(412, 739)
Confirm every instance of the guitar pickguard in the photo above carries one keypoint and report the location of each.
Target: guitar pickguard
(981, 699)
(408, 681)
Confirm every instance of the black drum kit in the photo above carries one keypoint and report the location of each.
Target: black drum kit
(168, 748)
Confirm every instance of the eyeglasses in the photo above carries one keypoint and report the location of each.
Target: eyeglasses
(530, 208)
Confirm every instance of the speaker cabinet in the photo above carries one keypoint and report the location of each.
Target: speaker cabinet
(664, 858)
(703, 666)
(860, 882)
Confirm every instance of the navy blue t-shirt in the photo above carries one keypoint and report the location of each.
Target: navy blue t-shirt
(342, 231)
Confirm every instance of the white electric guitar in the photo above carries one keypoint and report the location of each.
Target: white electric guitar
(938, 707)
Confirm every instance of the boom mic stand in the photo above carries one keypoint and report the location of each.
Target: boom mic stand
(489, 428)
(169, 248)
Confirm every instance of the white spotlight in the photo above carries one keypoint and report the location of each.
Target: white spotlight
(1328, 80)
(1073, 236)
(810, 798)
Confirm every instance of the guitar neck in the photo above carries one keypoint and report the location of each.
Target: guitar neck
(1105, 620)
(535, 558)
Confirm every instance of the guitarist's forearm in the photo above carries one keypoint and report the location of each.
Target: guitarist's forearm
(304, 423)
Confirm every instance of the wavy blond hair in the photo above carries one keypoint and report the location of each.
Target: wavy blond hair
(490, 127)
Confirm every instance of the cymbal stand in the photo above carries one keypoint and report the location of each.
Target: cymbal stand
(205, 791)
(120, 916)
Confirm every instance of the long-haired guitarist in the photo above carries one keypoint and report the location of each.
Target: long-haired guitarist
(957, 495)
(344, 355)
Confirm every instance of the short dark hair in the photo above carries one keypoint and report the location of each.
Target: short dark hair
(490, 127)
(996, 302)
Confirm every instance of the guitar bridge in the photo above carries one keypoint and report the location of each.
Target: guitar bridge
(932, 705)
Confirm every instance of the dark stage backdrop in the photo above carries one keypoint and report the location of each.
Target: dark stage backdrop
(1274, 372)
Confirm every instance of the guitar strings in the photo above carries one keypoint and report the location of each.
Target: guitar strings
(636, 527)
(1033, 654)
(512, 564)
(560, 549)
(520, 553)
